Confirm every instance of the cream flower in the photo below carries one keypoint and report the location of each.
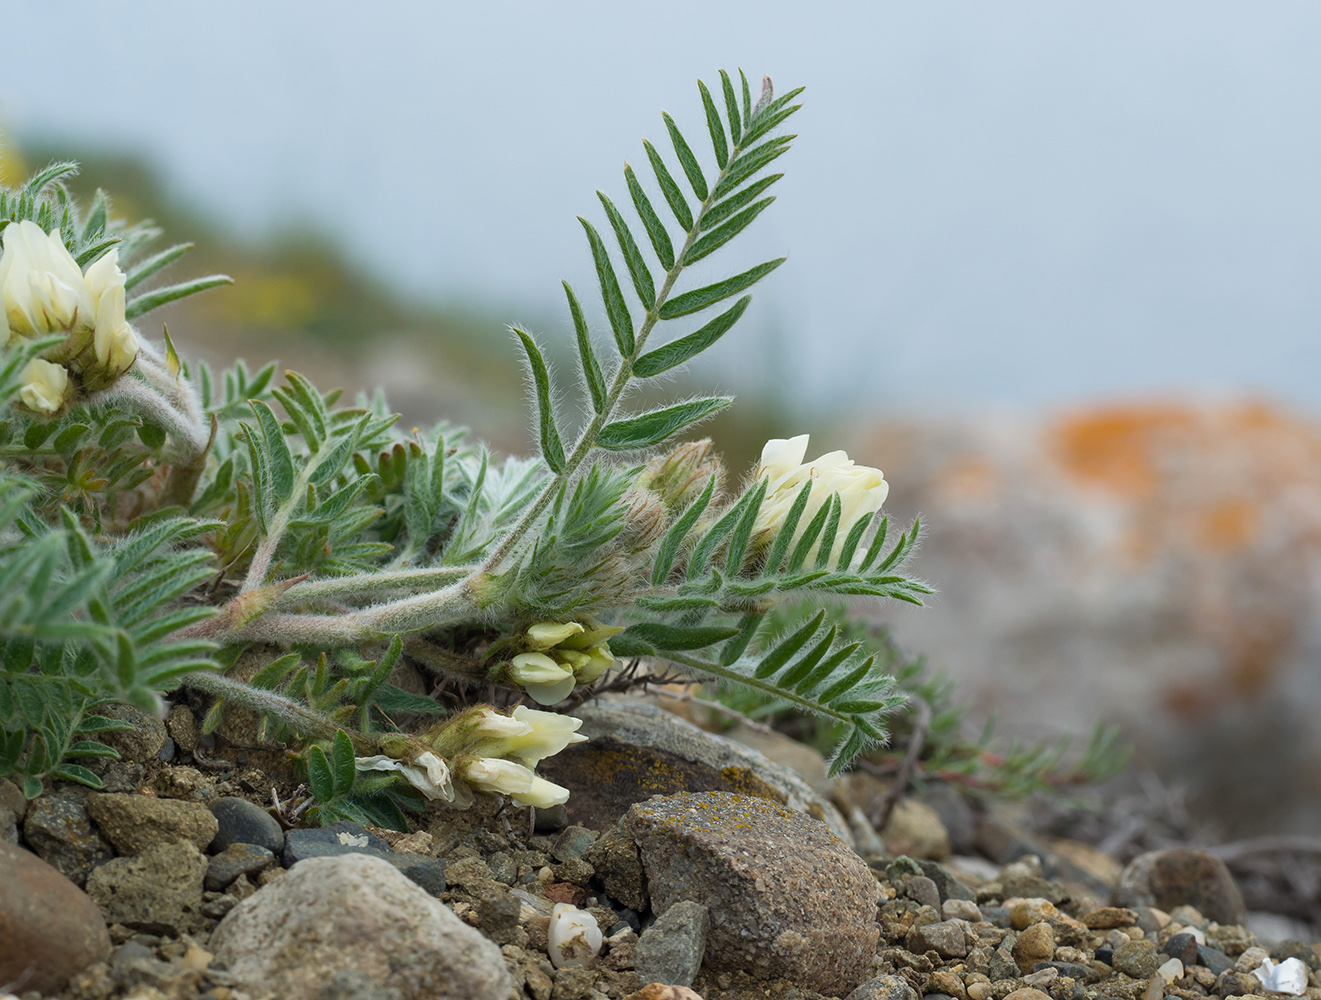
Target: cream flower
(504, 777)
(427, 773)
(490, 724)
(545, 680)
(862, 490)
(43, 289)
(115, 342)
(44, 386)
(548, 734)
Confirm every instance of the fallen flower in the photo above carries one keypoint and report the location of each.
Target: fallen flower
(1290, 976)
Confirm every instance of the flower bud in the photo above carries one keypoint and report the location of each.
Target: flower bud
(599, 660)
(645, 520)
(45, 386)
(545, 680)
(548, 734)
(548, 635)
(678, 477)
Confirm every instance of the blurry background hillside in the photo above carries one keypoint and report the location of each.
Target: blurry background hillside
(1054, 269)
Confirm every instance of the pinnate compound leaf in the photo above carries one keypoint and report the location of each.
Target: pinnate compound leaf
(700, 298)
(616, 309)
(722, 210)
(750, 162)
(717, 238)
(685, 348)
(652, 428)
(669, 547)
(551, 448)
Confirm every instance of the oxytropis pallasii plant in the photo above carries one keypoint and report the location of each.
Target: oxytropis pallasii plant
(284, 551)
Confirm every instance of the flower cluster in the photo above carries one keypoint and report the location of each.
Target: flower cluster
(560, 657)
(485, 750)
(862, 489)
(45, 292)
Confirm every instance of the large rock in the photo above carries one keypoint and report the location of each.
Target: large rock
(1182, 876)
(1156, 564)
(355, 912)
(158, 891)
(49, 929)
(788, 897)
(136, 823)
(58, 828)
(637, 750)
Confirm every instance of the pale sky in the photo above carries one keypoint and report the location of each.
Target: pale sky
(1008, 203)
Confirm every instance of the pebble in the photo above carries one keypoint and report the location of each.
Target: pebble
(949, 938)
(137, 823)
(242, 822)
(884, 988)
(572, 843)
(1024, 912)
(1110, 917)
(1182, 946)
(1214, 959)
(355, 912)
(1042, 976)
(1035, 944)
(1028, 993)
(670, 950)
(1136, 959)
(182, 726)
(921, 890)
(233, 861)
(961, 909)
(59, 830)
(49, 928)
(158, 891)
(1250, 959)
(794, 901)
(659, 991)
(1171, 971)
(1182, 876)
(948, 884)
(139, 744)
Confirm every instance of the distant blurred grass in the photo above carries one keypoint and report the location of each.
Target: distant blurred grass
(299, 298)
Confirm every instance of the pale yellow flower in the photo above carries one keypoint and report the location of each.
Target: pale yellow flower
(545, 680)
(548, 635)
(115, 342)
(547, 734)
(862, 489)
(43, 289)
(44, 386)
(504, 777)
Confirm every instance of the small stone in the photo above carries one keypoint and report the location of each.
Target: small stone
(1110, 917)
(1182, 876)
(497, 916)
(1172, 971)
(355, 912)
(949, 885)
(1189, 916)
(233, 861)
(1182, 946)
(946, 982)
(1232, 939)
(978, 991)
(618, 865)
(551, 819)
(921, 890)
(1036, 943)
(1136, 959)
(1024, 912)
(573, 843)
(659, 991)
(1003, 965)
(139, 744)
(1028, 994)
(182, 726)
(1250, 959)
(13, 799)
(1042, 976)
(49, 929)
(159, 891)
(884, 988)
(1155, 989)
(242, 822)
(345, 837)
(670, 950)
(59, 830)
(949, 938)
(1074, 970)
(915, 829)
(1214, 959)
(136, 823)
(961, 909)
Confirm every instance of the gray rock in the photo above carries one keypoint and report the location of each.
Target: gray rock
(949, 885)
(792, 899)
(355, 912)
(12, 798)
(233, 861)
(550, 819)
(618, 865)
(242, 822)
(1182, 876)
(670, 950)
(961, 909)
(182, 726)
(58, 828)
(1136, 959)
(158, 891)
(139, 744)
(49, 929)
(8, 825)
(1214, 959)
(637, 750)
(1003, 965)
(116, 775)
(884, 988)
(573, 843)
(354, 984)
(950, 938)
(136, 823)
(921, 890)
(1181, 946)
(344, 837)
(1079, 973)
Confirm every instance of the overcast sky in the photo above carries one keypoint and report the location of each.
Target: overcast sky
(990, 203)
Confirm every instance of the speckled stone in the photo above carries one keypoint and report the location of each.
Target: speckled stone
(136, 823)
(59, 830)
(1179, 876)
(1136, 959)
(139, 744)
(791, 900)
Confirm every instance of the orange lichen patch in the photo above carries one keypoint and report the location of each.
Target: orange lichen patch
(1228, 525)
(1113, 447)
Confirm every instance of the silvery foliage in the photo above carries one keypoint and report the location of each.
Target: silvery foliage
(160, 527)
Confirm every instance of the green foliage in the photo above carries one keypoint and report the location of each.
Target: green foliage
(158, 529)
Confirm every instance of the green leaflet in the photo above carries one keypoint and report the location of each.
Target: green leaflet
(551, 448)
(652, 428)
(676, 352)
(708, 295)
(620, 321)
